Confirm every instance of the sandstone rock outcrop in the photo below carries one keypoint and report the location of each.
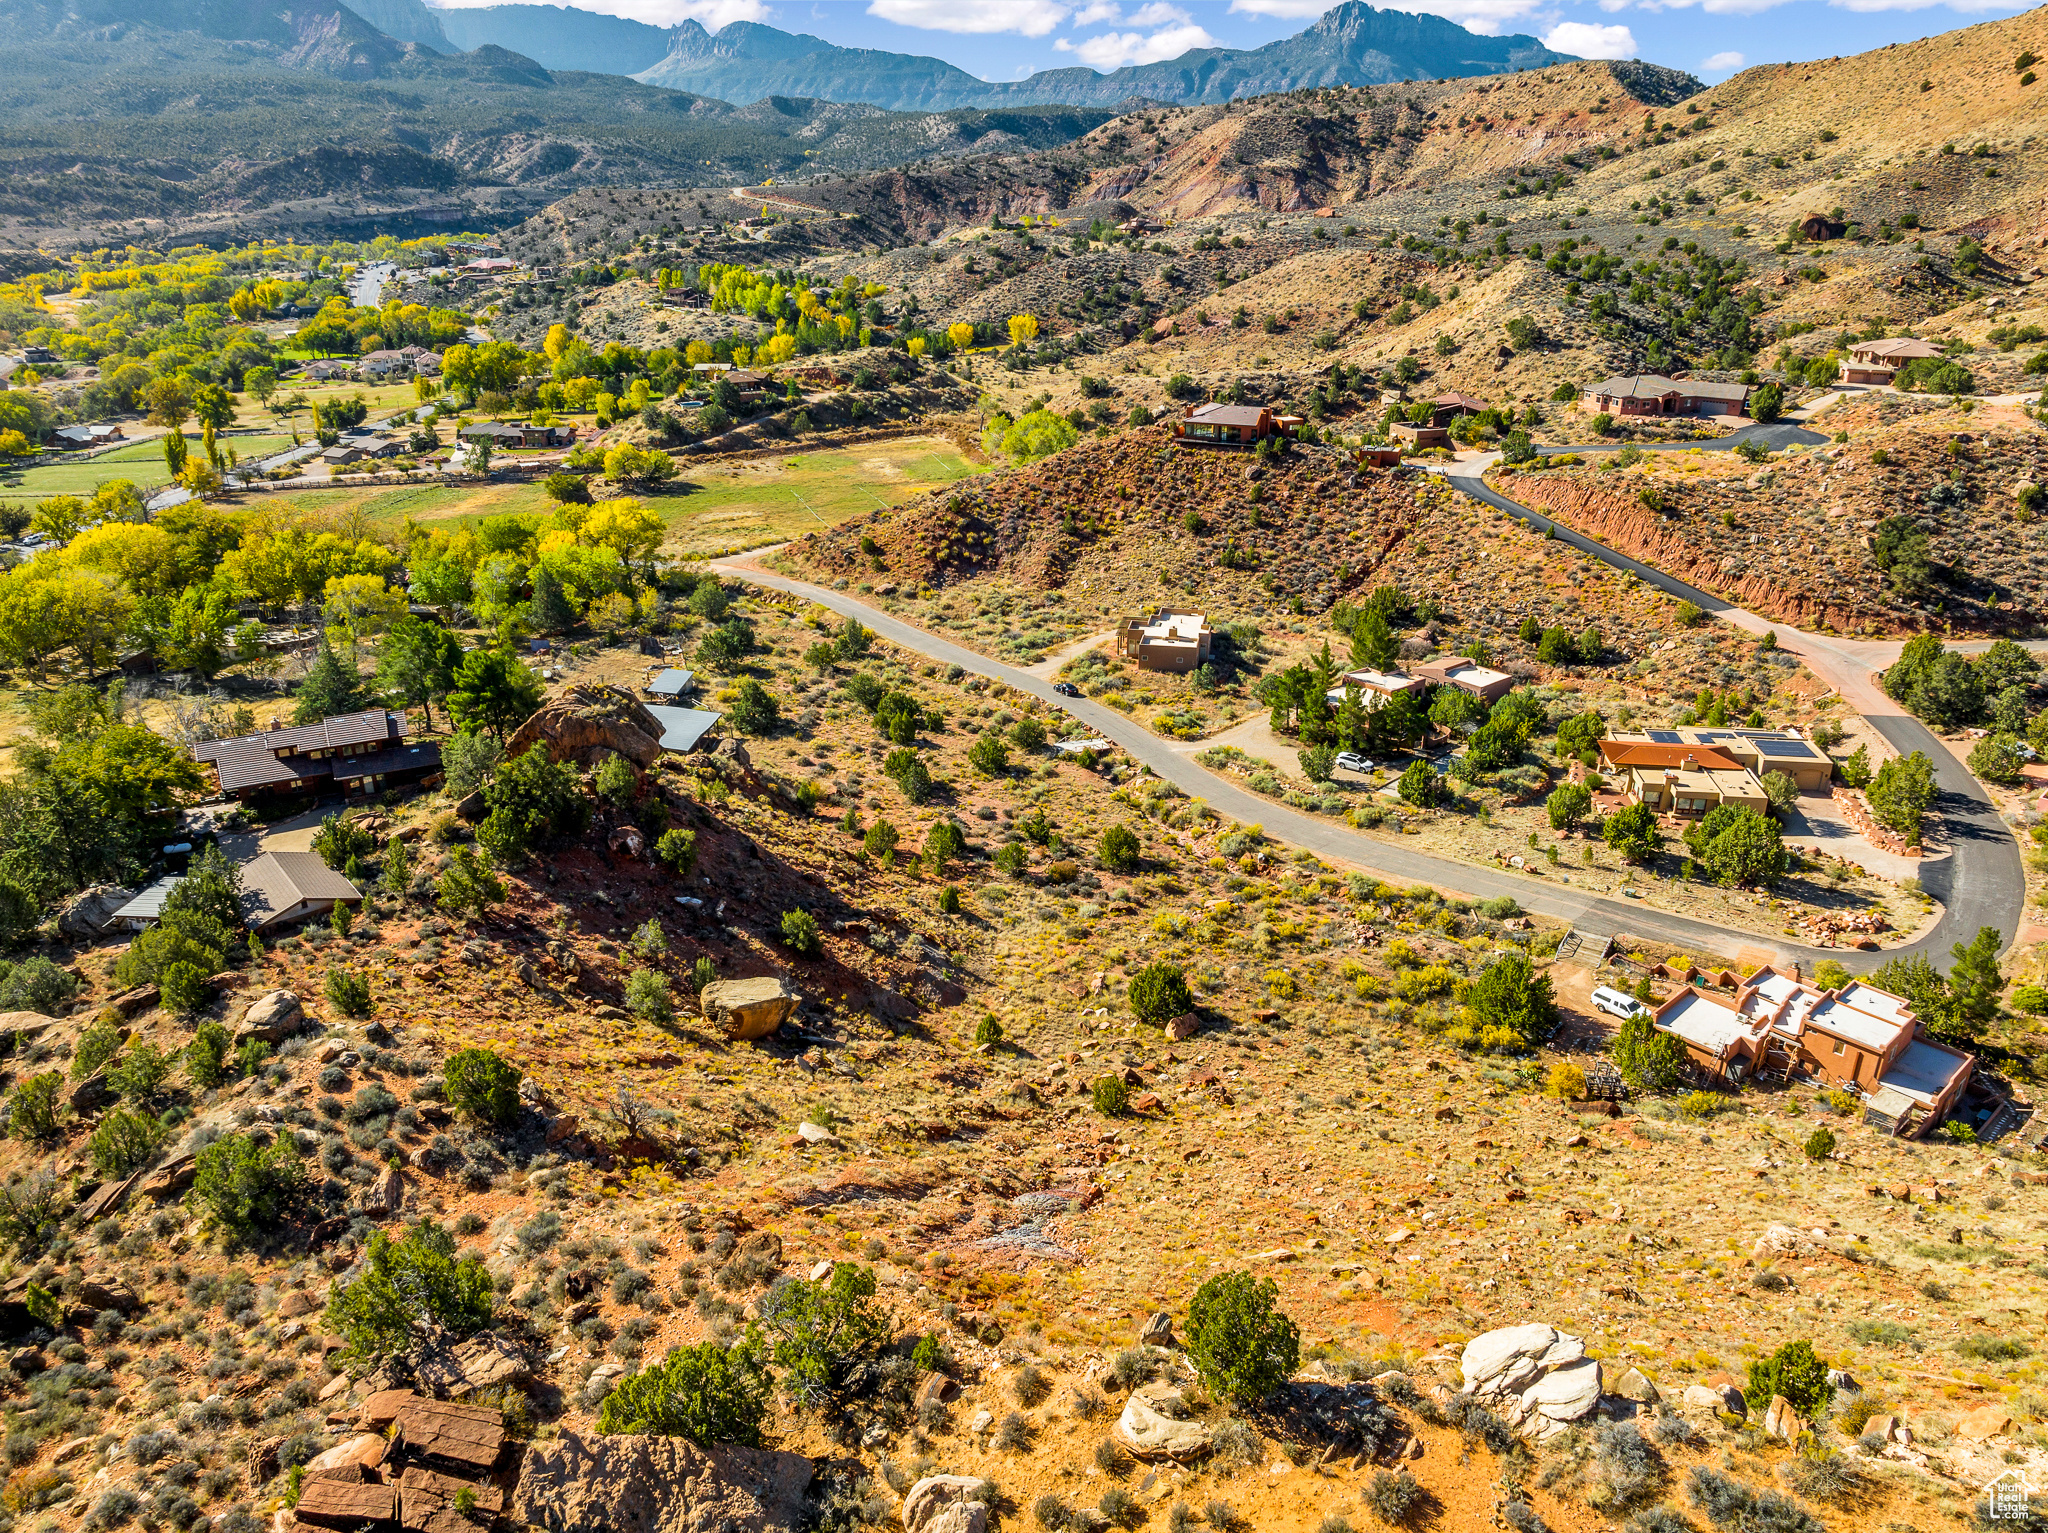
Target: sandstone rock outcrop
(945, 1503)
(271, 1018)
(748, 1008)
(587, 722)
(658, 1485)
(1536, 1377)
(1154, 1426)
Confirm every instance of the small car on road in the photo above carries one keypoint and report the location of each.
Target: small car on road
(1351, 761)
(1066, 689)
(1618, 1003)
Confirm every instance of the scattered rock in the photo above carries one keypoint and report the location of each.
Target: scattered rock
(1634, 1386)
(1182, 1027)
(1781, 1421)
(812, 1133)
(90, 909)
(271, 1018)
(297, 1302)
(748, 1008)
(1985, 1421)
(1717, 1398)
(982, 1421)
(945, 1503)
(1158, 1331)
(364, 1452)
(1153, 1426)
(91, 1094)
(586, 723)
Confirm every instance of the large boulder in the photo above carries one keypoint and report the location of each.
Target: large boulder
(91, 909)
(945, 1503)
(1535, 1377)
(271, 1018)
(586, 723)
(640, 1484)
(1154, 1426)
(748, 1008)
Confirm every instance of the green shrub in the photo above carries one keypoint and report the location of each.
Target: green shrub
(347, 991)
(1794, 1372)
(36, 984)
(1119, 849)
(1393, 1497)
(800, 933)
(206, 1055)
(678, 849)
(32, 1210)
(1158, 993)
(824, 1330)
(33, 1108)
(988, 1032)
(183, 988)
(1112, 1096)
(408, 1289)
(949, 901)
(707, 1393)
(141, 1074)
(483, 1085)
(124, 1142)
(615, 780)
(1820, 1144)
(647, 997)
(247, 1190)
(1241, 1345)
(340, 841)
(96, 1045)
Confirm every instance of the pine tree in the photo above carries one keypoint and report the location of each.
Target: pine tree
(331, 688)
(551, 611)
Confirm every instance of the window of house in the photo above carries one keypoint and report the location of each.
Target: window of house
(1840, 1047)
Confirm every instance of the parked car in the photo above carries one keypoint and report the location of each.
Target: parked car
(1351, 761)
(1066, 689)
(1618, 1003)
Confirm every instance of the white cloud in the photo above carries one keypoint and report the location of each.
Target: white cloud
(1033, 18)
(1589, 40)
(713, 14)
(1097, 11)
(1114, 50)
(1157, 14)
(1721, 61)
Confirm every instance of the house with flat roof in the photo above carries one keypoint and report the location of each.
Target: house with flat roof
(1374, 687)
(1854, 1038)
(1878, 362)
(1683, 780)
(1467, 675)
(1226, 425)
(359, 753)
(1163, 640)
(280, 887)
(507, 434)
(673, 682)
(1756, 751)
(1653, 394)
(683, 729)
(1416, 438)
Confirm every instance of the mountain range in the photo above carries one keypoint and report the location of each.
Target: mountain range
(1353, 44)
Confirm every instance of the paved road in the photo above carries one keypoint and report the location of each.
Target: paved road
(1545, 895)
(1776, 436)
(1981, 883)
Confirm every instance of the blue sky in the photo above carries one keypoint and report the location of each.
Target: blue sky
(1008, 39)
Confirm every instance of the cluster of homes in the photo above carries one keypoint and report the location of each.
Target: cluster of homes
(405, 362)
(1854, 1037)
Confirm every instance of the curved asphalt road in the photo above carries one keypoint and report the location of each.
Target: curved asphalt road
(1981, 883)
(1544, 894)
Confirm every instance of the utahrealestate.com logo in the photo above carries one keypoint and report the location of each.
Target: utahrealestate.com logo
(2006, 1499)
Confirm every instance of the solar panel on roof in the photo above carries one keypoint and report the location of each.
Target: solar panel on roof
(1786, 748)
(1666, 737)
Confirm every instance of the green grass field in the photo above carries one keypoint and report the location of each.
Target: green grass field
(140, 462)
(710, 509)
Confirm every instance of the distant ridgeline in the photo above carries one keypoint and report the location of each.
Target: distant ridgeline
(1353, 44)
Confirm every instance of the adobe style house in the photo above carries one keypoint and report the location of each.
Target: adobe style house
(1688, 771)
(1221, 425)
(1415, 438)
(1375, 688)
(1467, 675)
(1165, 641)
(356, 752)
(1857, 1038)
(1878, 362)
(1650, 394)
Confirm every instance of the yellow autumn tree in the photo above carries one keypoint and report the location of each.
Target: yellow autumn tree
(556, 343)
(1023, 327)
(961, 334)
